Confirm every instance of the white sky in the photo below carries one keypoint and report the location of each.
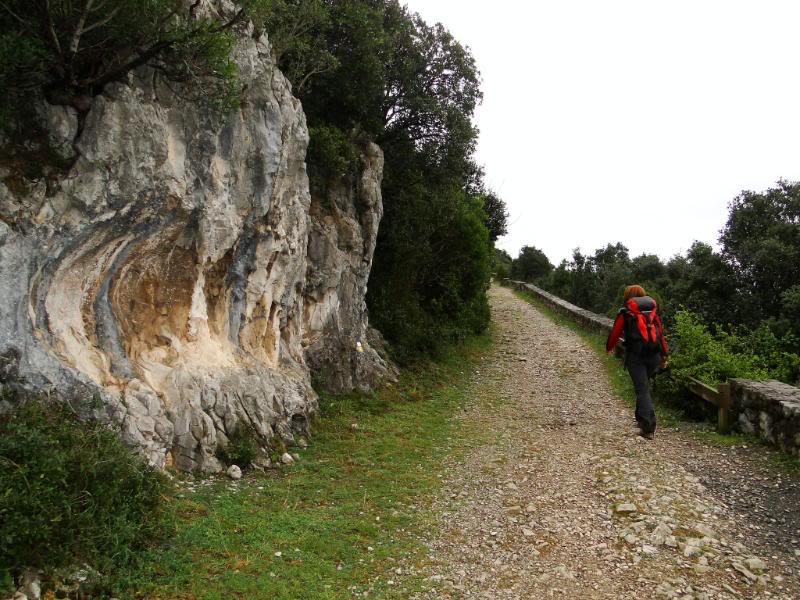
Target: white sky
(629, 120)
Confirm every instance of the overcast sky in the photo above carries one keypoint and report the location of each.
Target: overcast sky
(629, 120)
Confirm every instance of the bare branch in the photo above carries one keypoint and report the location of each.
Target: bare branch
(52, 31)
(101, 22)
(76, 36)
(13, 14)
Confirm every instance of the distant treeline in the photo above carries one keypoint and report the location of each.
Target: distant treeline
(735, 312)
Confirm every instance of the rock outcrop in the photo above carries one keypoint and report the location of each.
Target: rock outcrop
(344, 227)
(163, 274)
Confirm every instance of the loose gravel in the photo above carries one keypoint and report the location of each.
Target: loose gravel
(564, 499)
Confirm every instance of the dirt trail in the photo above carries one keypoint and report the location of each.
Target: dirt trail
(567, 501)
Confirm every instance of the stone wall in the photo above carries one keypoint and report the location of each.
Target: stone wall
(770, 410)
(585, 317)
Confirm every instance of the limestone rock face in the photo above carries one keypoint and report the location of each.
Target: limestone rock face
(344, 227)
(160, 280)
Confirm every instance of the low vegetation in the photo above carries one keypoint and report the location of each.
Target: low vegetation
(71, 493)
(338, 521)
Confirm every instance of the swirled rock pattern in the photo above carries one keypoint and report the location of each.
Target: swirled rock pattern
(163, 274)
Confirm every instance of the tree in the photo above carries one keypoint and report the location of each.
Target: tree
(501, 264)
(706, 285)
(69, 50)
(297, 33)
(496, 215)
(531, 265)
(761, 243)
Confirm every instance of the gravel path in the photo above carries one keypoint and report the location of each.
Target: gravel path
(565, 500)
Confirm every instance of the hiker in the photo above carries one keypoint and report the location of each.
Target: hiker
(645, 350)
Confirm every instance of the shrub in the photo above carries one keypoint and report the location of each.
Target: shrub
(331, 156)
(716, 356)
(72, 493)
(241, 449)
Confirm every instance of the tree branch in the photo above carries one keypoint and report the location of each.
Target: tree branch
(101, 22)
(13, 14)
(76, 36)
(52, 31)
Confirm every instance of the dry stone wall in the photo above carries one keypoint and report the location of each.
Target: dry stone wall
(585, 317)
(770, 410)
(162, 281)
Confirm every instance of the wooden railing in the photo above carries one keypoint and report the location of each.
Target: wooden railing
(719, 397)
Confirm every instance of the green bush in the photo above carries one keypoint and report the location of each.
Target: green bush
(72, 493)
(331, 156)
(715, 357)
(241, 449)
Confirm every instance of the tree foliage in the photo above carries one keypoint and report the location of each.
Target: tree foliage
(412, 88)
(761, 244)
(496, 215)
(730, 313)
(69, 50)
(531, 265)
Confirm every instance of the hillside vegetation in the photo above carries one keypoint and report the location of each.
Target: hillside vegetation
(729, 313)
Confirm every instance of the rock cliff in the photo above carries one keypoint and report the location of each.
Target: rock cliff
(344, 227)
(178, 272)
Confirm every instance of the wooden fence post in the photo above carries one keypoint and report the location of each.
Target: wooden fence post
(724, 408)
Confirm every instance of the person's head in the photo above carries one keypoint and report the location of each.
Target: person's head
(633, 291)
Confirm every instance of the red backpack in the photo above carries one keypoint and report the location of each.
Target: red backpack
(642, 326)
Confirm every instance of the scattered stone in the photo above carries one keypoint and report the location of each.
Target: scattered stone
(627, 507)
(756, 564)
(287, 458)
(660, 534)
(744, 571)
(234, 472)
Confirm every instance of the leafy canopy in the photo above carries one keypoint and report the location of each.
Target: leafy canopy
(383, 74)
(70, 49)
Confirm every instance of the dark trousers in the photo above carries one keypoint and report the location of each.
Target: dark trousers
(641, 368)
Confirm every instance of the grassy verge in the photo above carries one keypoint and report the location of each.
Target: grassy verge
(338, 523)
(617, 375)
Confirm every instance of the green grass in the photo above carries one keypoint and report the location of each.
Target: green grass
(618, 376)
(343, 518)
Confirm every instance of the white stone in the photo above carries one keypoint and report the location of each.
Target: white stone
(287, 459)
(756, 564)
(234, 472)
